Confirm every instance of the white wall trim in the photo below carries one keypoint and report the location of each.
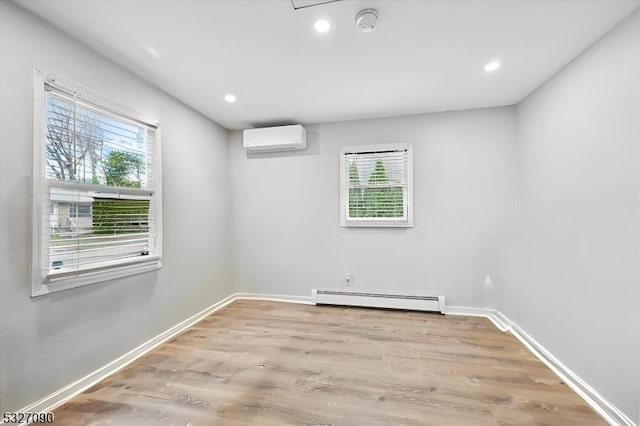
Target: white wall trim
(64, 394)
(600, 405)
(274, 298)
(603, 407)
(500, 321)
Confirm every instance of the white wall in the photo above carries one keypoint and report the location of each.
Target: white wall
(567, 271)
(571, 274)
(50, 341)
(286, 224)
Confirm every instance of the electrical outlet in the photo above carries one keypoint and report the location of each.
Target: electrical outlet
(348, 280)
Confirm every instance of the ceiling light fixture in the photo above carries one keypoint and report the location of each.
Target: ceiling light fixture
(322, 25)
(492, 66)
(366, 20)
(230, 98)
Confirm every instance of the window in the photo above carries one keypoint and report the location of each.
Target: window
(80, 210)
(376, 185)
(96, 188)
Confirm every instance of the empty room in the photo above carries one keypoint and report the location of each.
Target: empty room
(346, 212)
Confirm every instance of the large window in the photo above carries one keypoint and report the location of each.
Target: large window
(96, 188)
(376, 185)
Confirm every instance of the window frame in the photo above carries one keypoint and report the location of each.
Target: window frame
(380, 222)
(41, 284)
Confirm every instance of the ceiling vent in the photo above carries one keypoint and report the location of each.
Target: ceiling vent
(302, 4)
(366, 20)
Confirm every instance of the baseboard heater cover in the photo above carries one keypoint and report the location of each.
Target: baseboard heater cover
(377, 300)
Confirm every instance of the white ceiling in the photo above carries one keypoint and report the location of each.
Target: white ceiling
(423, 56)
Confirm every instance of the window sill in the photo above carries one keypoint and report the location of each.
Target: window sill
(96, 276)
(376, 224)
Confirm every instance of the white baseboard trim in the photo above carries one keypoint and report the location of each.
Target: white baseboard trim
(603, 407)
(600, 405)
(500, 321)
(59, 397)
(62, 395)
(274, 298)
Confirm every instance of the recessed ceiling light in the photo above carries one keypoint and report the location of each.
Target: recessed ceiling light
(153, 52)
(492, 66)
(322, 25)
(230, 98)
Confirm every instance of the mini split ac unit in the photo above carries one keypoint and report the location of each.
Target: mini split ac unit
(269, 139)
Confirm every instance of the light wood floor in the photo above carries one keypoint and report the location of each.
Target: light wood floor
(258, 362)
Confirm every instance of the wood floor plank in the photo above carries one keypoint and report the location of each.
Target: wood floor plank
(262, 362)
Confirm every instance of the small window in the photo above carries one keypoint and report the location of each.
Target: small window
(377, 185)
(79, 210)
(95, 188)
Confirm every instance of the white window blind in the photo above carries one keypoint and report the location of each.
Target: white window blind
(376, 185)
(96, 186)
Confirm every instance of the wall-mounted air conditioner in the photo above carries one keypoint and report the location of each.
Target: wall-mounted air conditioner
(269, 139)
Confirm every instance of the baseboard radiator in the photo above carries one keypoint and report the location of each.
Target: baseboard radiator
(377, 300)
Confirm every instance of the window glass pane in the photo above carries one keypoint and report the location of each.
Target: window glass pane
(86, 145)
(87, 231)
(95, 188)
(84, 210)
(377, 184)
